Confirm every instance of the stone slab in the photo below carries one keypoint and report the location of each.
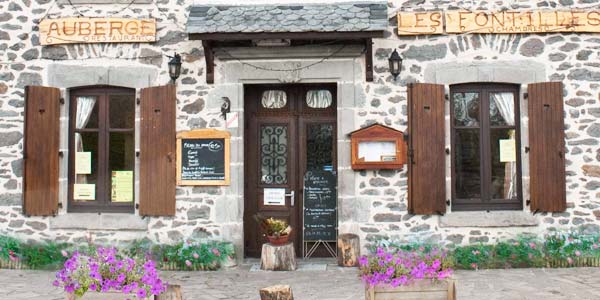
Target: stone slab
(90, 221)
(488, 219)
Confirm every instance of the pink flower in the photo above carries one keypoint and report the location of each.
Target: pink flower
(474, 266)
(570, 260)
(188, 263)
(216, 252)
(195, 255)
(577, 253)
(476, 252)
(64, 253)
(595, 246)
(516, 244)
(532, 245)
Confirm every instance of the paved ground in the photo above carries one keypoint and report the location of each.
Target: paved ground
(314, 283)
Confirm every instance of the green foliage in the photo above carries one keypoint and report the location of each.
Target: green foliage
(191, 255)
(523, 252)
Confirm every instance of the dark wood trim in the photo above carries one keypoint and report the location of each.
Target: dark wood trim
(220, 36)
(369, 59)
(209, 57)
(103, 184)
(486, 203)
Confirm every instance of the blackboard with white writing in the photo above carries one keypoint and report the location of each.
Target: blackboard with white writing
(320, 206)
(203, 159)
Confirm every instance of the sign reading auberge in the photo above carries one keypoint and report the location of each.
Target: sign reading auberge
(97, 30)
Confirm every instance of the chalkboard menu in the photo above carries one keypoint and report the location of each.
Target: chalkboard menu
(203, 157)
(320, 206)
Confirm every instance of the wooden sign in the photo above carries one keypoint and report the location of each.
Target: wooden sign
(414, 23)
(203, 157)
(377, 147)
(97, 30)
(320, 206)
(459, 21)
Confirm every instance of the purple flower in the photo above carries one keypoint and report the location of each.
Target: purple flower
(141, 293)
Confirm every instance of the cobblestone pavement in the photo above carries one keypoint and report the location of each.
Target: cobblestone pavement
(336, 284)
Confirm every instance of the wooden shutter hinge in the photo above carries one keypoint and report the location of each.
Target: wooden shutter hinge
(405, 137)
(447, 97)
(61, 100)
(440, 213)
(447, 151)
(138, 101)
(60, 154)
(536, 211)
(137, 153)
(527, 149)
(60, 206)
(526, 95)
(528, 202)
(411, 156)
(448, 202)
(137, 206)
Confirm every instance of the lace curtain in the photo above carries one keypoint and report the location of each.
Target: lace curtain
(505, 103)
(274, 99)
(85, 107)
(319, 99)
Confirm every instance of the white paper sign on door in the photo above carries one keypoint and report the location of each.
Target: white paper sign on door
(274, 196)
(508, 150)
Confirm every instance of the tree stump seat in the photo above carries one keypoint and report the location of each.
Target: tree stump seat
(278, 258)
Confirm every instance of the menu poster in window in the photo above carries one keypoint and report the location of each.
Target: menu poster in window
(84, 191)
(508, 150)
(203, 157)
(122, 186)
(83, 162)
(320, 206)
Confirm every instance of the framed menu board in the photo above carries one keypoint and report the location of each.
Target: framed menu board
(203, 157)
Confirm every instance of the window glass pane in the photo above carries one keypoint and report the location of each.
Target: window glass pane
(122, 111)
(86, 115)
(121, 164)
(502, 109)
(319, 147)
(467, 164)
(86, 166)
(319, 99)
(376, 151)
(274, 99)
(504, 167)
(466, 109)
(274, 154)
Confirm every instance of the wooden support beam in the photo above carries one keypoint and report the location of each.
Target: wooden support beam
(209, 56)
(369, 60)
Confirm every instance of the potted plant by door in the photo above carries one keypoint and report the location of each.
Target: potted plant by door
(401, 274)
(277, 231)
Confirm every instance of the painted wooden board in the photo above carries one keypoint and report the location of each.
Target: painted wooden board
(97, 30)
(414, 23)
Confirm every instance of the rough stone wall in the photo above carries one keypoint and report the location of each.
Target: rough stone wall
(205, 211)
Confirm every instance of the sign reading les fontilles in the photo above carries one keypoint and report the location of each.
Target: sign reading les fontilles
(437, 22)
(97, 30)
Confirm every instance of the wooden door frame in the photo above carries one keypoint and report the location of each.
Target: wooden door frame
(300, 115)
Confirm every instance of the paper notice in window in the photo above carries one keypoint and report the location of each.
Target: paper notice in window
(83, 162)
(122, 186)
(508, 151)
(274, 196)
(84, 191)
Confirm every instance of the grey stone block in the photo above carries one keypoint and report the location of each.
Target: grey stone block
(92, 221)
(488, 219)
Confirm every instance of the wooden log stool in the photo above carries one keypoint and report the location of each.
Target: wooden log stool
(173, 292)
(278, 258)
(277, 292)
(348, 250)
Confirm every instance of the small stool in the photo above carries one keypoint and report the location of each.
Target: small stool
(278, 258)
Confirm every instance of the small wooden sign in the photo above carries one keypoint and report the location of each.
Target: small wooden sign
(203, 157)
(97, 30)
(533, 21)
(414, 23)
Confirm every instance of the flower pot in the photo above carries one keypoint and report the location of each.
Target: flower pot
(278, 241)
(419, 290)
(112, 295)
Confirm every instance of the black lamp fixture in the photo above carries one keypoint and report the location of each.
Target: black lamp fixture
(174, 66)
(395, 64)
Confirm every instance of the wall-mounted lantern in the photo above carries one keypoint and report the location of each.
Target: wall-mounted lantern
(395, 64)
(175, 66)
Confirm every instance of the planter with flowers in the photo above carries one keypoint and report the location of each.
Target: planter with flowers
(407, 275)
(277, 231)
(105, 274)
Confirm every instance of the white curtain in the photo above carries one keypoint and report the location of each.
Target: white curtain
(505, 102)
(85, 107)
(274, 99)
(319, 99)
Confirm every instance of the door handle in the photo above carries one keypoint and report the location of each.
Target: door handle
(291, 194)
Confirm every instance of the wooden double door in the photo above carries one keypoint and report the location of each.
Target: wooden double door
(289, 130)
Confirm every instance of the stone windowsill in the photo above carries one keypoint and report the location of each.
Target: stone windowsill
(94, 221)
(488, 219)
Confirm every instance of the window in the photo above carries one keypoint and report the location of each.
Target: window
(102, 150)
(319, 98)
(274, 99)
(486, 164)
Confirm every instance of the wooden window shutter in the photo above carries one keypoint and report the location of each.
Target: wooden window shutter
(547, 147)
(41, 151)
(157, 155)
(427, 157)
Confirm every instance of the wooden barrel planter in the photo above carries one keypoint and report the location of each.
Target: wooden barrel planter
(420, 290)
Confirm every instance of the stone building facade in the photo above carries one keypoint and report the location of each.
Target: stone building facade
(372, 204)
